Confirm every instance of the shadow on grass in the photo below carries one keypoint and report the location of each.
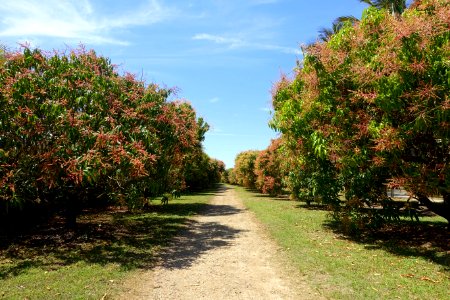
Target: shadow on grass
(278, 198)
(429, 240)
(119, 237)
(313, 206)
(258, 194)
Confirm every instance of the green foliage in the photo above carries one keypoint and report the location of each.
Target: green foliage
(396, 7)
(264, 170)
(244, 168)
(269, 169)
(230, 176)
(202, 172)
(369, 109)
(405, 261)
(73, 131)
(108, 249)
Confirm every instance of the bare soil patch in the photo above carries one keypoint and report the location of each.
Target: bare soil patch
(223, 254)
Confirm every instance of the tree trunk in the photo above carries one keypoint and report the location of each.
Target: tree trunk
(71, 210)
(440, 208)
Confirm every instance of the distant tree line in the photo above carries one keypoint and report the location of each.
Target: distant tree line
(263, 170)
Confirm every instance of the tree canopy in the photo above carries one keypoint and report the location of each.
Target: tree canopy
(244, 168)
(368, 109)
(73, 129)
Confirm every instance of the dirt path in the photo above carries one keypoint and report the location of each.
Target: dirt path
(223, 255)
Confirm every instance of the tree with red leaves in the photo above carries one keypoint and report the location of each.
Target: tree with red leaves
(268, 169)
(369, 110)
(74, 131)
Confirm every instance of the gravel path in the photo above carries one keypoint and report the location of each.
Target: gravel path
(224, 254)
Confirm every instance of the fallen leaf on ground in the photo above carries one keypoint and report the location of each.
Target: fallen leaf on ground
(425, 278)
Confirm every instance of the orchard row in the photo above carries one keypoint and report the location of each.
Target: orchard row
(75, 133)
(368, 110)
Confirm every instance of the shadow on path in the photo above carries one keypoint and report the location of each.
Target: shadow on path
(119, 237)
(199, 238)
(219, 210)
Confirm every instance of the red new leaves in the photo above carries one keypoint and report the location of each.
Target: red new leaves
(72, 122)
(268, 169)
(370, 107)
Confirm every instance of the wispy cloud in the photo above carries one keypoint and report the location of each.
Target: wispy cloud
(214, 100)
(73, 20)
(287, 50)
(230, 42)
(234, 43)
(216, 131)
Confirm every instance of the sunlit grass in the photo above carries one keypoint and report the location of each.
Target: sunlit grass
(340, 267)
(92, 261)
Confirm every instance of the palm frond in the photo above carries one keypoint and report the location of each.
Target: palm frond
(344, 19)
(325, 34)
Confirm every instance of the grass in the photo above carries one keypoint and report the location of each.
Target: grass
(405, 261)
(52, 262)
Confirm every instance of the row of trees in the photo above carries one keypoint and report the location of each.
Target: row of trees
(73, 132)
(262, 170)
(367, 110)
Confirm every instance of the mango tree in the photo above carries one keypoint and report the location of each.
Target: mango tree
(369, 109)
(244, 168)
(268, 169)
(72, 129)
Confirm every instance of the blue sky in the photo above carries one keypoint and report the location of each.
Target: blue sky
(223, 55)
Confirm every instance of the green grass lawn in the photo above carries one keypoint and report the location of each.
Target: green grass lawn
(405, 261)
(90, 262)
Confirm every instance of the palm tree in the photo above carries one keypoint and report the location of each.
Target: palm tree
(396, 7)
(326, 33)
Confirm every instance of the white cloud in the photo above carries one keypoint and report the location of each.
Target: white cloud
(233, 43)
(216, 131)
(72, 19)
(150, 13)
(287, 50)
(230, 42)
(214, 100)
